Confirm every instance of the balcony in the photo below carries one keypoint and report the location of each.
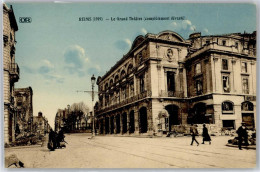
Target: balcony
(14, 72)
(178, 94)
(124, 102)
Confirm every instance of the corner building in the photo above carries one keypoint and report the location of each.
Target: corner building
(165, 82)
(11, 73)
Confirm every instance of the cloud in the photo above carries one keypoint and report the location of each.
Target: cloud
(206, 30)
(75, 56)
(184, 27)
(75, 60)
(123, 44)
(46, 67)
(144, 31)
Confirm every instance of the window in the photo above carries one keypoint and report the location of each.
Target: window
(224, 42)
(140, 58)
(198, 68)
(224, 64)
(123, 92)
(207, 42)
(225, 81)
(227, 107)
(170, 82)
(131, 89)
(229, 124)
(141, 83)
(199, 87)
(244, 67)
(245, 87)
(247, 106)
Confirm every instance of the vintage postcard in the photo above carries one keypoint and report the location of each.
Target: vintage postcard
(129, 85)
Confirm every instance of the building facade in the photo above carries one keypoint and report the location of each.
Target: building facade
(24, 104)
(11, 73)
(166, 81)
(41, 125)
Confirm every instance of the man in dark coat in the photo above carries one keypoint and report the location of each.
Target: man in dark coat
(194, 132)
(52, 140)
(205, 134)
(242, 135)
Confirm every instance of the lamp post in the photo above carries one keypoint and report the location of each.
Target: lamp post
(93, 79)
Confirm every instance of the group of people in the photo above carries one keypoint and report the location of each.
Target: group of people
(194, 132)
(242, 135)
(56, 140)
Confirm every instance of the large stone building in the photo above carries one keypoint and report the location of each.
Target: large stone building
(166, 81)
(10, 72)
(24, 104)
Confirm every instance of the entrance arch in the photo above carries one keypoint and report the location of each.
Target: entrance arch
(112, 125)
(143, 120)
(132, 122)
(173, 115)
(118, 124)
(198, 114)
(106, 125)
(124, 122)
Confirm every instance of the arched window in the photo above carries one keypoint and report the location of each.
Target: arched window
(116, 78)
(122, 74)
(111, 83)
(247, 106)
(129, 69)
(227, 107)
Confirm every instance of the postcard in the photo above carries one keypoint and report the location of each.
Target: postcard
(129, 85)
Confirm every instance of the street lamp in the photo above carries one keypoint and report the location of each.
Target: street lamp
(93, 79)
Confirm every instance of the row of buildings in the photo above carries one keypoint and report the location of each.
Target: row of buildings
(166, 81)
(18, 102)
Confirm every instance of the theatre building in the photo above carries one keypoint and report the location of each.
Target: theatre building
(166, 81)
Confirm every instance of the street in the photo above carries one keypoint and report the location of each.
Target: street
(133, 152)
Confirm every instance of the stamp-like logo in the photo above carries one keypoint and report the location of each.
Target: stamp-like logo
(25, 19)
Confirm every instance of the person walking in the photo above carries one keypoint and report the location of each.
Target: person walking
(205, 134)
(52, 140)
(242, 135)
(194, 132)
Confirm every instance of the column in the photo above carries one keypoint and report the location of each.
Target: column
(128, 122)
(136, 121)
(121, 123)
(150, 121)
(115, 127)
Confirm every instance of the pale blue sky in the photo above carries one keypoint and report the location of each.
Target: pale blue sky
(57, 54)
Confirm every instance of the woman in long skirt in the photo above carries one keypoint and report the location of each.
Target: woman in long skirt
(205, 134)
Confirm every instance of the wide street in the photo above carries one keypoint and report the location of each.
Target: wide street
(133, 152)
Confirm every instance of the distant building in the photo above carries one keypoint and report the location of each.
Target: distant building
(24, 104)
(165, 81)
(11, 73)
(40, 124)
(71, 121)
(60, 119)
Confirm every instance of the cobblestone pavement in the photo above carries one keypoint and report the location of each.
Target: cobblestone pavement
(132, 152)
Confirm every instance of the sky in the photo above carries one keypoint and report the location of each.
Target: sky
(57, 54)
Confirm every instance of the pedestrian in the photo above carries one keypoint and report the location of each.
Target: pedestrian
(242, 135)
(194, 132)
(205, 134)
(60, 138)
(52, 140)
